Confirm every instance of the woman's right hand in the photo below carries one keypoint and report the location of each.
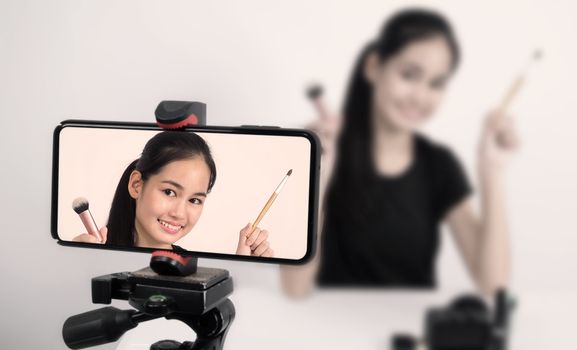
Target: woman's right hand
(86, 238)
(327, 128)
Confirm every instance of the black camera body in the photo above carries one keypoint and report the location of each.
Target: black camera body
(467, 323)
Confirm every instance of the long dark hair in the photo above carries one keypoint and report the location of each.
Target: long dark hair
(353, 168)
(163, 148)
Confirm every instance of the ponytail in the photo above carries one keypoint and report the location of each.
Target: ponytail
(122, 212)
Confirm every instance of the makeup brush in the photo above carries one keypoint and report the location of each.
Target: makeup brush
(328, 125)
(269, 202)
(518, 83)
(315, 94)
(80, 206)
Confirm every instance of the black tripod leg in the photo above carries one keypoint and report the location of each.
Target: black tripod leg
(210, 328)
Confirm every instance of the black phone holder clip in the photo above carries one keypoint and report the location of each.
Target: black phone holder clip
(173, 286)
(179, 114)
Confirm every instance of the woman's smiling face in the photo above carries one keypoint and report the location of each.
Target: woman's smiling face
(169, 203)
(408, 87)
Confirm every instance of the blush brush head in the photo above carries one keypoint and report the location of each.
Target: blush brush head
(80, 205)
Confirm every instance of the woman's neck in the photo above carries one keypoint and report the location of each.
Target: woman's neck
(392, 147)
(145, 241)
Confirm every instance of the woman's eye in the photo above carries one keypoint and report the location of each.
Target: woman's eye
(409, 75)
(438, 84)
(195, 201)
(169, 193)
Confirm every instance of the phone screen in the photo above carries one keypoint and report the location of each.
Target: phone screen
(197, 191)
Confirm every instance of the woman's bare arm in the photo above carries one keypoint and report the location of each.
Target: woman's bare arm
(299, 281)
(483, 240)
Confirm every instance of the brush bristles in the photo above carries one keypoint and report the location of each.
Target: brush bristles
(315, 91)
(289, 172)
(80, 205)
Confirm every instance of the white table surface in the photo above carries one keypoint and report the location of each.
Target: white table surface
(359, 319)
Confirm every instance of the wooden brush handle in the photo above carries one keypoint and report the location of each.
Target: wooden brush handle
(511, 94)
(262, 213)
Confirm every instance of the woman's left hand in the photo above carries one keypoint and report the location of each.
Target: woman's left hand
(498, 142)
(256, 245)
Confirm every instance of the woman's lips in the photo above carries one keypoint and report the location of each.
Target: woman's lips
(168, 227)
(412, 113)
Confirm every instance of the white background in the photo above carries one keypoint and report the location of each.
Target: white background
(250, 62)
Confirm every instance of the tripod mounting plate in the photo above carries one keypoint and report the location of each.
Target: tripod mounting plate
(194, 294)
(203, 279)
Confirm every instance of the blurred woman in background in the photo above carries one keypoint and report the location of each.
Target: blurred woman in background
(386, 188)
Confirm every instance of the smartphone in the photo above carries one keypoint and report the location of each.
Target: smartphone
(196, 191)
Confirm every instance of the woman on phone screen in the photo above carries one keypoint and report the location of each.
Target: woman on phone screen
(160, 197)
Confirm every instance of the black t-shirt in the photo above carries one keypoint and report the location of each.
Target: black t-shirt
(396, 242)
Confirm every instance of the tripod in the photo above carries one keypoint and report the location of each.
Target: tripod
(199, 299)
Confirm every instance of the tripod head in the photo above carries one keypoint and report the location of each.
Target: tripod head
(199, 300)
